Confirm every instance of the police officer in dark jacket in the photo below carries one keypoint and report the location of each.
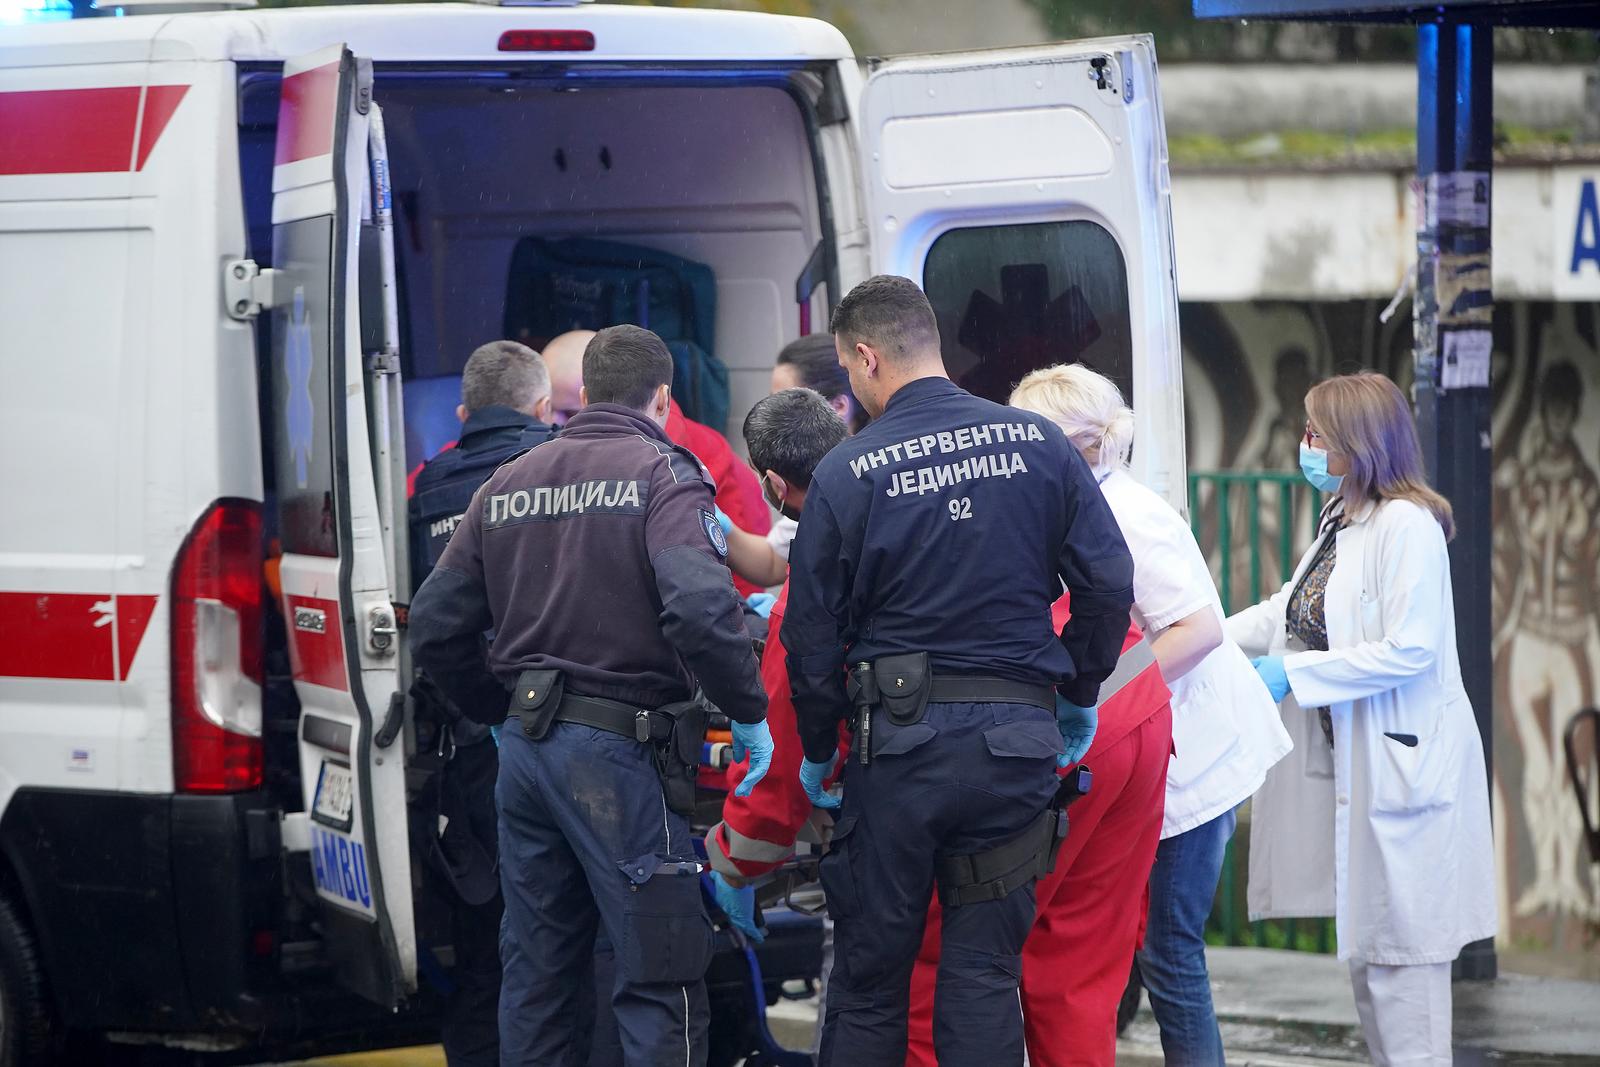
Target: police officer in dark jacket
(505, 402)
(599, 563)
(505, 409)
(933, 544)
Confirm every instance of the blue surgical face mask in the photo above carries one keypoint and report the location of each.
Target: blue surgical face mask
(1314, 465)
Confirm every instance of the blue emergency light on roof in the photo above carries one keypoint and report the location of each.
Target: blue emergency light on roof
(17, 11)
(547, 41)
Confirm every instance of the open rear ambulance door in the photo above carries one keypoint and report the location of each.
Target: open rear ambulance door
(1026, 190)
(335, 574)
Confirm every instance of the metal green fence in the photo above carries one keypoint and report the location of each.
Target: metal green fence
(1252, 526)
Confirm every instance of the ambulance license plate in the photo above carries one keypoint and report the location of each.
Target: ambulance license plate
(331, 804)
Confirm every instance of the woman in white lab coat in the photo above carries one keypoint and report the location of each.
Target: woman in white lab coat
(1225, 728)
(1380, 816)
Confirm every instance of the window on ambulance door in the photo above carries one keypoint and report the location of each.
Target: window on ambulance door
(301, 383)
(1012, 299)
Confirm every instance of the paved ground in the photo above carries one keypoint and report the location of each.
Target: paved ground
(1280, 1008)
(1272, 1001)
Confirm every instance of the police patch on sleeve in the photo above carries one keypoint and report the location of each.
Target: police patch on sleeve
(714, 534)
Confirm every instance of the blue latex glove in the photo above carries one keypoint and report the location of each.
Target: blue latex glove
(723, 520)
(1276, 679)
(739, 905)
(761, 603)
(753, 740)
(812, 775)
(1077, 726)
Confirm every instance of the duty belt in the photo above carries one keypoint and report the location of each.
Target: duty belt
(641, 724)
(675, 732)
(903, 686)
(974, 689)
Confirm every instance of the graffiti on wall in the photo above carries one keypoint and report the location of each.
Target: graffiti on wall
(1547, 598)
(1247, 367)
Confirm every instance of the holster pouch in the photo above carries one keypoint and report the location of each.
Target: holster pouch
(677, 733)
(1001, 870)
(536, 699)
(1016, 861)
(904, 684)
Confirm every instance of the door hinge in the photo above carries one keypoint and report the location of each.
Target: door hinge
(247, 288)
(383, 363)
(381, 630)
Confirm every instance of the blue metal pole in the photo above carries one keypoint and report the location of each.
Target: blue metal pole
(1452, 319)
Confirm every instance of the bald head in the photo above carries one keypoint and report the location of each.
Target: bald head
(563, 356)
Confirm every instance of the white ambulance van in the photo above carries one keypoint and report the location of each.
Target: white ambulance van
(242, 251)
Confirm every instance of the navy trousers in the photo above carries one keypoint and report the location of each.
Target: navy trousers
(587, 843)
(965, 778)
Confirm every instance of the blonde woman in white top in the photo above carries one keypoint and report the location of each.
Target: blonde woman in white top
(1225, 726)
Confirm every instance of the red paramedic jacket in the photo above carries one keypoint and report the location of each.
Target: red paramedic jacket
(757, 832)
(1134, 704)
(738, 491)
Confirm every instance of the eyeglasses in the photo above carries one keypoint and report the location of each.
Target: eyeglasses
(1312, 437)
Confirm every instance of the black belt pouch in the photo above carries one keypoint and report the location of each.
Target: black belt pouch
(536, 699)
(904, 685)
(678, 755)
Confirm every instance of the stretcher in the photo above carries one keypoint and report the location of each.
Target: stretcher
(744, 978)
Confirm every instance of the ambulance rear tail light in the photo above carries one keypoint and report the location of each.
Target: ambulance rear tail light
(217, 651)
(547, 41)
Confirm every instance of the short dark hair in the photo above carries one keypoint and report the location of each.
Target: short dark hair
(506, 374)
(889, 313)
(816, 360)
(625, 365)
(789, 432)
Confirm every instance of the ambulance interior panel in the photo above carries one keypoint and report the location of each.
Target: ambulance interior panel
(431, 420)
(719, 171)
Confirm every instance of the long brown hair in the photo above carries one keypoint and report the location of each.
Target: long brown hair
(1365, 418)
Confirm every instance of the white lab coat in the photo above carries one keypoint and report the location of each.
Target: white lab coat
(1393, 840)
(1225, 727)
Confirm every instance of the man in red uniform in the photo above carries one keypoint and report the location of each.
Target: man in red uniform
(738, 492)
(787, 433)
(1091, 909)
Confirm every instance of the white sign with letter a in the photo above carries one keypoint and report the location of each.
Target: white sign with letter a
(1575, 208)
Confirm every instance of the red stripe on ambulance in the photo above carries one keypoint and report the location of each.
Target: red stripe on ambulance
(83, 131)
(316, 642)
(306, 114)
(160, 103)
(85, 636)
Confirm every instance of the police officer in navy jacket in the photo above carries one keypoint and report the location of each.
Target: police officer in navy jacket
(933, 545)
(598, 561)
(504, 411)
